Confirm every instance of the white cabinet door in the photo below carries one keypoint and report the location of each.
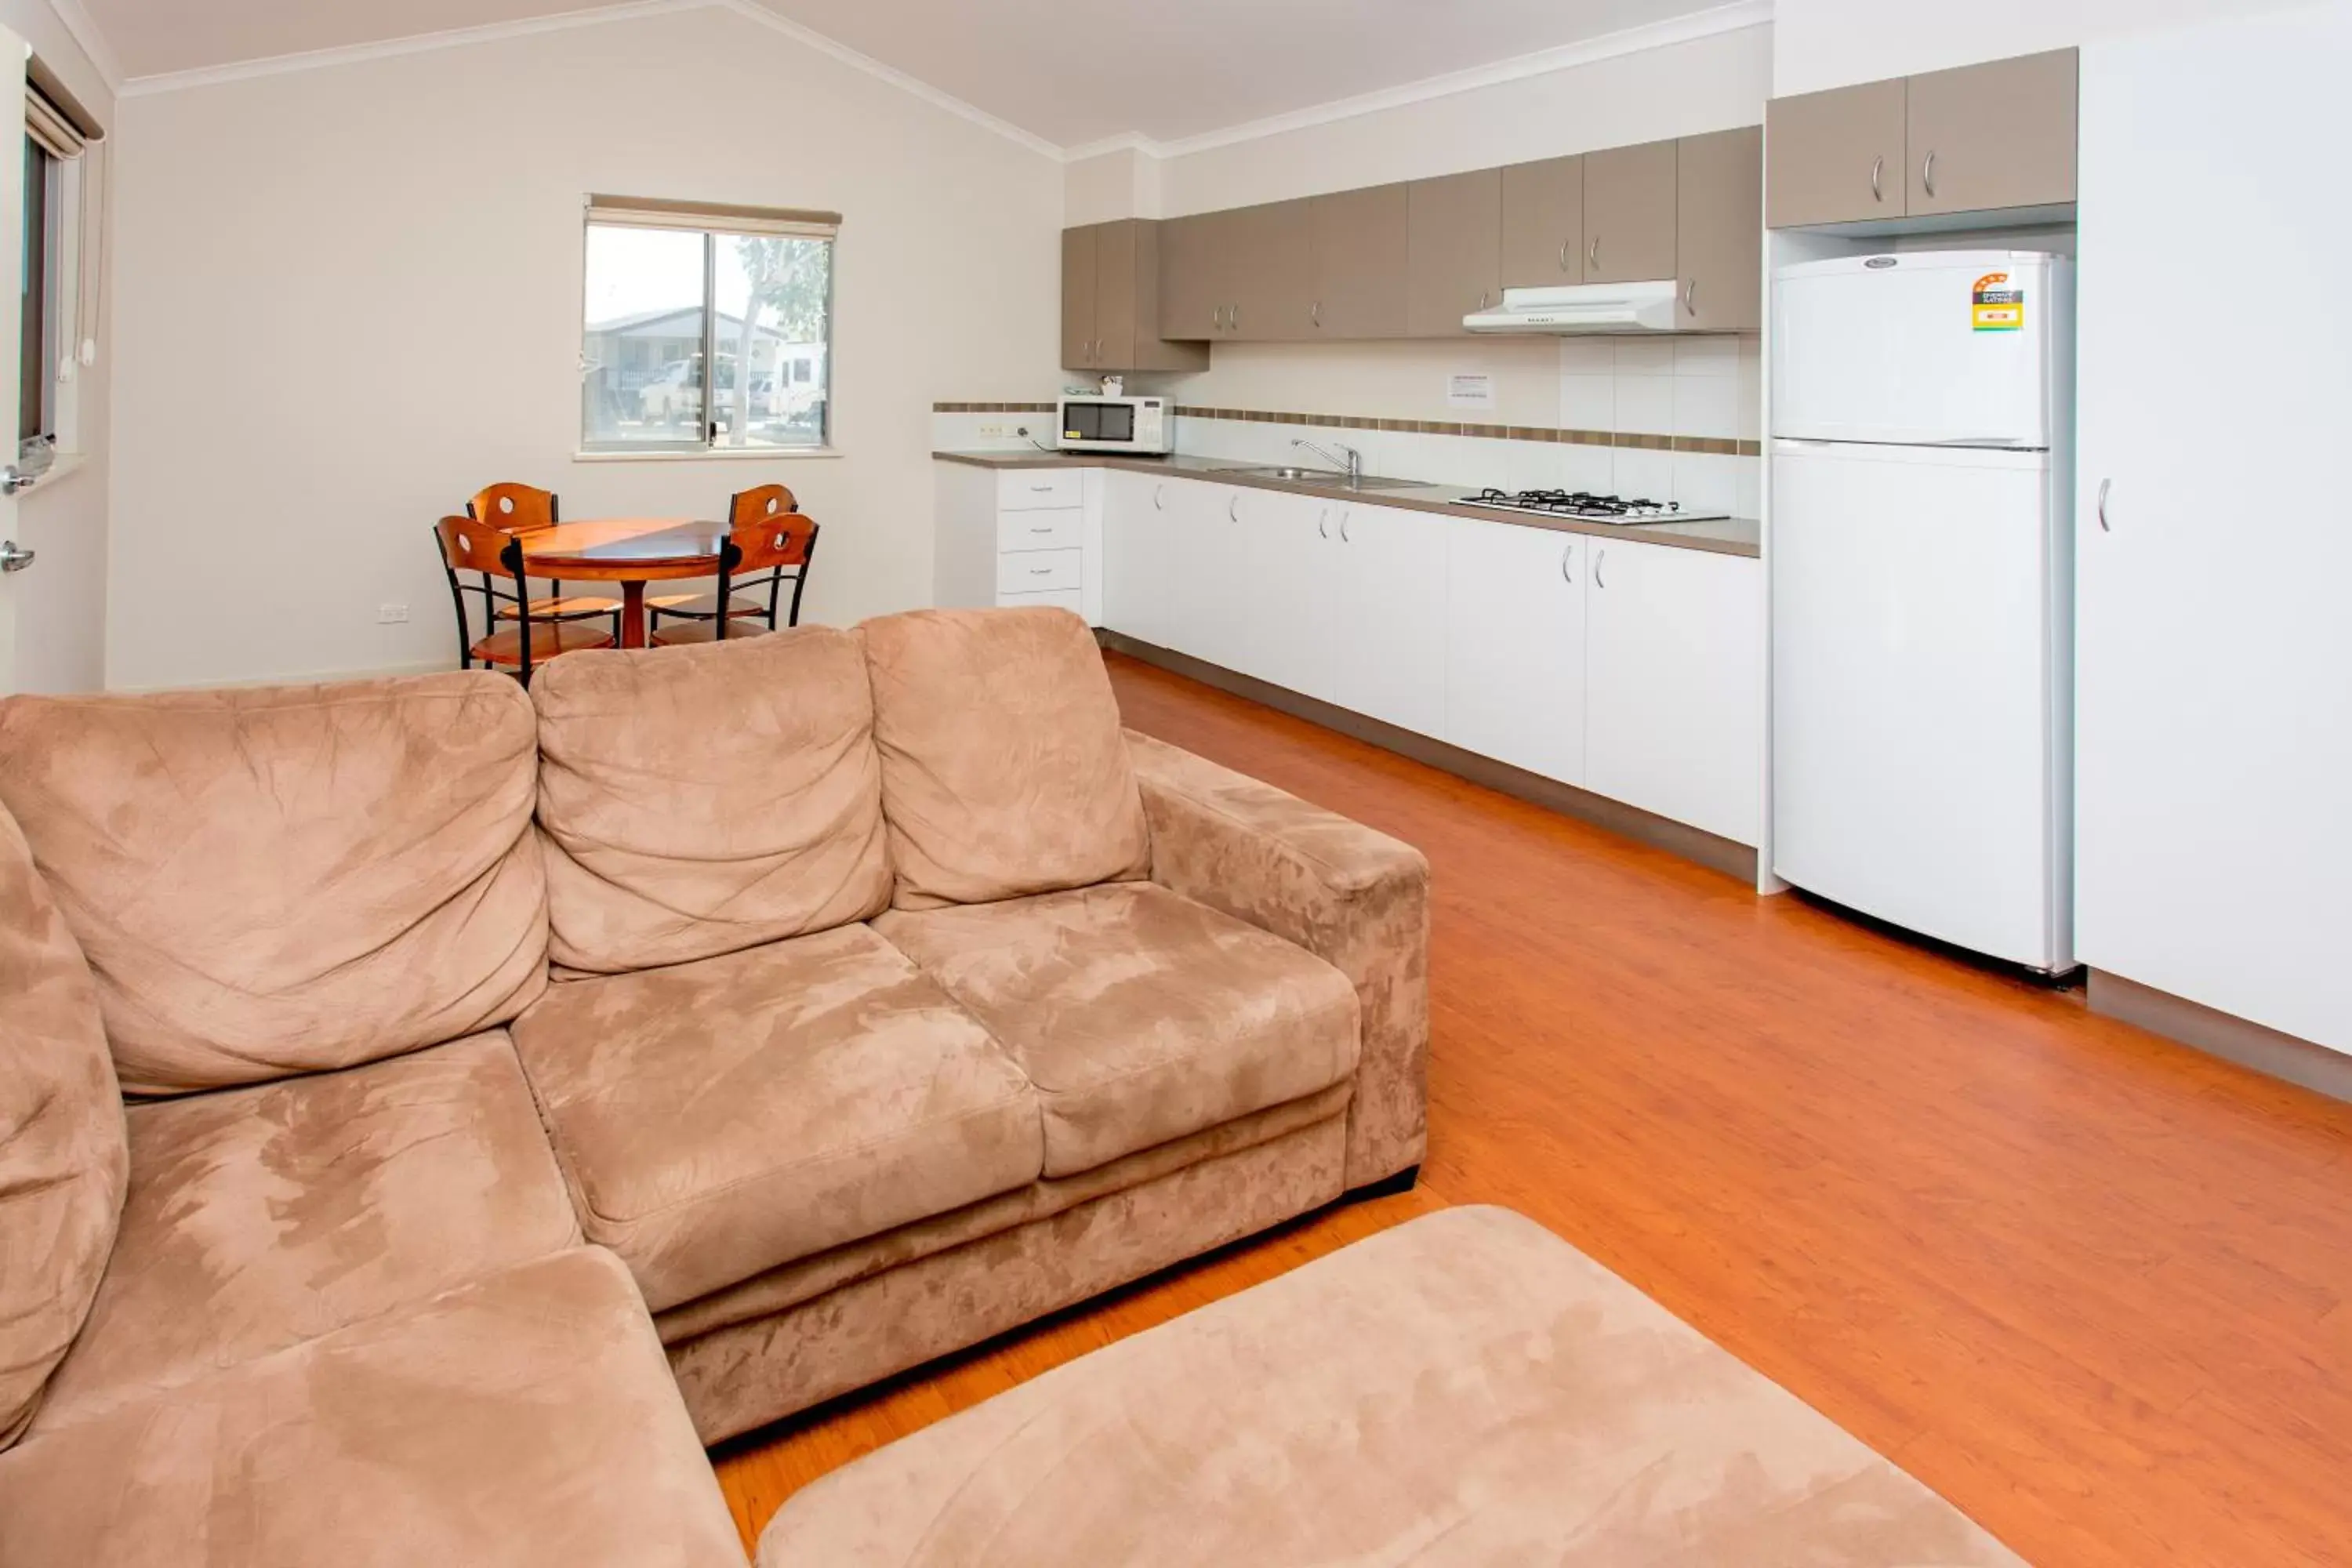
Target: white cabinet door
(1388, 640)
(1198, 561)
(1515, 646)
(2213, 695)
(1287, 561)
(1134, 526)
(1673, 701)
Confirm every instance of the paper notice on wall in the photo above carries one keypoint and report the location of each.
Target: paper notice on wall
(1997, 305)
(1470, 390)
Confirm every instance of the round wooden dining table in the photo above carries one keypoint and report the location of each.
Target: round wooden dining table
(630, 551)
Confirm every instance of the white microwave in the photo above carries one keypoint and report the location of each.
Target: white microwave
(1115, 424)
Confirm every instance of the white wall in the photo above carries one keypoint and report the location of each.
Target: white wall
(60, 604)
(1831, 43)
(349, 296)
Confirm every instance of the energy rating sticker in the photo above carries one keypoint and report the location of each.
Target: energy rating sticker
(1995, 307)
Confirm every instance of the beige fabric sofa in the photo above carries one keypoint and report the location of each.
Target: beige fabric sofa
(745, 1023)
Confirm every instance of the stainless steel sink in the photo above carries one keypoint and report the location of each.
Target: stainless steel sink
(1317, 476)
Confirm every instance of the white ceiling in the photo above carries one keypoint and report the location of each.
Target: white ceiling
(1070, 71)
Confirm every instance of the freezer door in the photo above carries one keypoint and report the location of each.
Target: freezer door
(1949, 348)
(1915, 702)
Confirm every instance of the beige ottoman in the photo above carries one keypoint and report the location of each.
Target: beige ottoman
(1466, 1388)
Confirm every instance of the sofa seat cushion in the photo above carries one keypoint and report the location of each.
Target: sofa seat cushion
(1139, 1015)
(716, 1119)
(700, 801)
(261, 1217)
(293, 878)
(1003, 768)
(527, 1420)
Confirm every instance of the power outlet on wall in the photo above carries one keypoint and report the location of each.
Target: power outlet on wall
(991, 432)
(391, 614)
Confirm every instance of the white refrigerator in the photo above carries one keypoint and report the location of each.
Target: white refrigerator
(1922, 585)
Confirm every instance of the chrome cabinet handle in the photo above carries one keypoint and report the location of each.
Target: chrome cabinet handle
(1041, 531)
(1323, 523)
(2101, 508)
(1159, 498)
(1040, 571)
(1482, 297)
(1927, 173)
(1877, 167)
(1690, 296)
(1599, 581)
(1566, 551)
(1234, 509)
(1343, 529)
(1592, 255)
(14, 557)
(1315, 312)
(1563, 254)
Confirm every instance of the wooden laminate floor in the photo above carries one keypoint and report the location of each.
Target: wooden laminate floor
(2095, 1287)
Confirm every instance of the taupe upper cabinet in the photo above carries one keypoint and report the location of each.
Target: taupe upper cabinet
(1270, 265)
(1193, 295)
(1110, 301)
(1719, 230)
(1543, 224)
(1360, 243)
(1996, 135)
(1976, 139)
(1452, 250)
(1629, 213)
(1836, 156)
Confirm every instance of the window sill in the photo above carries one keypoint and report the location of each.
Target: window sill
(61, 465)
(711, 455)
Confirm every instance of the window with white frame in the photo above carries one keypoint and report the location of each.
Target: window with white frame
(706, 328)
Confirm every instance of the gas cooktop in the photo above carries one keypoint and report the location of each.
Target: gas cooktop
(1586, 507)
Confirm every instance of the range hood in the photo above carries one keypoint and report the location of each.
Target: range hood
(1582, 308)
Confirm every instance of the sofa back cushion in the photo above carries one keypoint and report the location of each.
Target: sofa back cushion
(288, 880)
(1004, 770)
(64, 1152)
(705, 799)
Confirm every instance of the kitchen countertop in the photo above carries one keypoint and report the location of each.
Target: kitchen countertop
(1733, 536)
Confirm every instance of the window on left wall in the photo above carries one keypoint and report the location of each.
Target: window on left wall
(54, 337)
(706, 328)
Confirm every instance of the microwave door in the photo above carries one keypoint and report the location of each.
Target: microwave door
(1118, 423)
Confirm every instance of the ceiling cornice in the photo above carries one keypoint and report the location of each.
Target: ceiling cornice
(1727, 18)
(96, 47)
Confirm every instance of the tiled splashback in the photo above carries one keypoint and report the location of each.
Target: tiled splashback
(1670, 418)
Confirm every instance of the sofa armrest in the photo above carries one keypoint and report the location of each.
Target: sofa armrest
(1356, 898)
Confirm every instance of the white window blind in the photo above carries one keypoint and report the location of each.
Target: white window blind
(639, 212)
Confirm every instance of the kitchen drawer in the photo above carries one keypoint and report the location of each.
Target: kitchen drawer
(1035, 571)
(1068, 599)
(1028, 489)
(1055, 528)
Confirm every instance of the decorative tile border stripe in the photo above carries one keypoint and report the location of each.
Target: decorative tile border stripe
(1718, 445)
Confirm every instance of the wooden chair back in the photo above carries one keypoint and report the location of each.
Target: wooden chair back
(761, 500)
(469, 545)
(512, 508)
(774, 545)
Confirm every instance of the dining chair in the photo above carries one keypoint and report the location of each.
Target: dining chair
(773, 545)
(765, 504)
(520, 509)
(466, 545)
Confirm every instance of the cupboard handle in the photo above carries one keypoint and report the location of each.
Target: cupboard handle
(1592, 255)
(1040, 571)
(1599, 581)
(1323, 523)
(1690, 296)
(1234, 509)
(1233, 318)
(1563, 253)
(1927, 173)
(1877, 167)
(1315, 312)
(1566, 551)
(1159, 498)
(1343, 529)
(2104, 526)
